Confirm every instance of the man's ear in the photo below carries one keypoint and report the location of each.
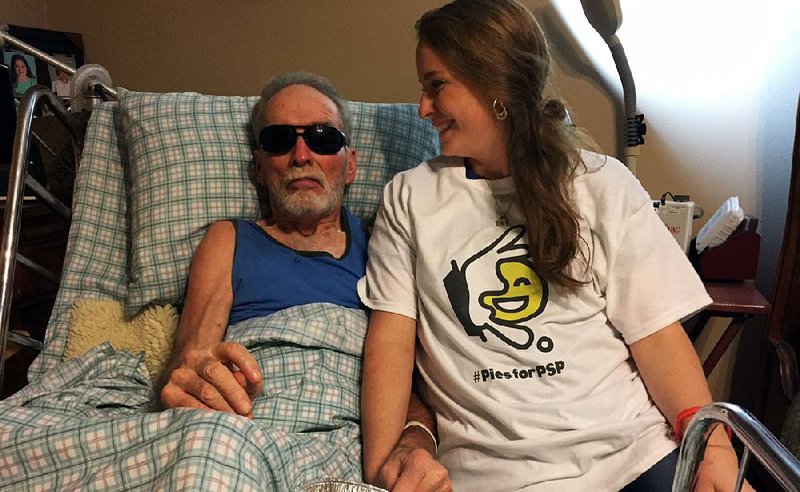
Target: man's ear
(259, 168)
(350, 174)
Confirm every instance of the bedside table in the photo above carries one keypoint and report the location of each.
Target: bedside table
(738, 301)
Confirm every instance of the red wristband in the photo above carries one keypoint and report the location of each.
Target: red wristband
(687, 414)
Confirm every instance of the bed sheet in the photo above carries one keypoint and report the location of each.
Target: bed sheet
(88, 424)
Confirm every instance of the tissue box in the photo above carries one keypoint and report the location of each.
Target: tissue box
(736, 259)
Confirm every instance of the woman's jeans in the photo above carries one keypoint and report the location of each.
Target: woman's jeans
(658, 478)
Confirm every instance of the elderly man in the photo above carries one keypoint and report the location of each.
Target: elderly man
(307, 249)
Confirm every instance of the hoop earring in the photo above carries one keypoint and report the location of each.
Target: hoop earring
(500, 112)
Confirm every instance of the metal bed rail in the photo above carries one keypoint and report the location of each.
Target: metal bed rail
(757, 440)
(90, 85)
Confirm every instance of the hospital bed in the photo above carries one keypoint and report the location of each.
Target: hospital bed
(155, 170)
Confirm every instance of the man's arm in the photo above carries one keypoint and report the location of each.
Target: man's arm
(203, 371)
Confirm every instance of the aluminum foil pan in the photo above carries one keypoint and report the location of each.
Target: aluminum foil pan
(337, 486)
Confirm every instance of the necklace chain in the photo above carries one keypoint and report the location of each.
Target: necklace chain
(502, 219)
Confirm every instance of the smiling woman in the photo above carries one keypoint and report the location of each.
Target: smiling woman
(465, 121)
(528, 325)
(22, 76)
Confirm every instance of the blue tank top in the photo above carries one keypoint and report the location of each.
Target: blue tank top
(269, 276)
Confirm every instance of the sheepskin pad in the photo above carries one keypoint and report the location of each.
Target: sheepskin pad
(152, 331)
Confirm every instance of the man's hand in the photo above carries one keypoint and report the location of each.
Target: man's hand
(225, 378)
(411, 466)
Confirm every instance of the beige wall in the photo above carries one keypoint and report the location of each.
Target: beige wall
(699, 143)
(28, 13)
(717, 80)
(231, 47)
(365, 47)
(719, 105)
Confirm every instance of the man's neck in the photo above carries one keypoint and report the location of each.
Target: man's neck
(326, 234)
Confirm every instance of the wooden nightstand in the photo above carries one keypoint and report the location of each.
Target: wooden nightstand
(739, 301)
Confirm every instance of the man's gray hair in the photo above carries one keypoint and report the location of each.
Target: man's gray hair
(317, 82)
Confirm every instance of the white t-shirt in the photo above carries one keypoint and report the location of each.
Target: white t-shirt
(534, 388)
(62, 89)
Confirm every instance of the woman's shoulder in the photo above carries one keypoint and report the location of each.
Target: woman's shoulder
(603, 182)
(602, 170)
(423, 182)
(426, 170)
(593, 163)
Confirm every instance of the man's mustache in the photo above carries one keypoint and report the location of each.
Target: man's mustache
(317, 176)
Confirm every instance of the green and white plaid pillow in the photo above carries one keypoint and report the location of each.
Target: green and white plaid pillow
(191, 164)
(388, 138)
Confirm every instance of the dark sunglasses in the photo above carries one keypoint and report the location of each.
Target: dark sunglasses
(321, 139)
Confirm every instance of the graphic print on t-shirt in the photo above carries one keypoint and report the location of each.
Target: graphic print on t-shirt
(515, 296)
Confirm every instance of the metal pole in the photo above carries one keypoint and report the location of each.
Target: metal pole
(21, 45)
(760, 442)
(14, 197)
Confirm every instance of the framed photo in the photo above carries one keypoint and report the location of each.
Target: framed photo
(21, 71)
(26, 71)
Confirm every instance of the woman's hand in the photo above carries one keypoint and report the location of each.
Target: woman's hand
(720, 466)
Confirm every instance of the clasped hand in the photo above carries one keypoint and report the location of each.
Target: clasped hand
(224, 377)
(410, 467)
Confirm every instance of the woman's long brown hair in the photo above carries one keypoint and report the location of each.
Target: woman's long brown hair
(497, 48)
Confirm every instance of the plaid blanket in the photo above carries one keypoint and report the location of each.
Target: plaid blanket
(88, 423)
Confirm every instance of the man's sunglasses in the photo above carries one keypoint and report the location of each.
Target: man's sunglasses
(321, 139)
